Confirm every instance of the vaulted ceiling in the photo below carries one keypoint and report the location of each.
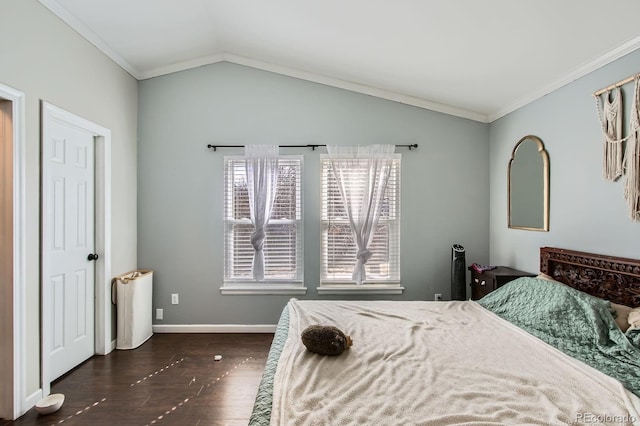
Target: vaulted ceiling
(474, 59)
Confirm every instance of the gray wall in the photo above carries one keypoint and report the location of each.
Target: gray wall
(587, 212)
(445, 182)
(45, 59)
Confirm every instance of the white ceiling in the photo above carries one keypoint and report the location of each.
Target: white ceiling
(470, 58)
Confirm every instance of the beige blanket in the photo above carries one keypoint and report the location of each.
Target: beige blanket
(436, 363)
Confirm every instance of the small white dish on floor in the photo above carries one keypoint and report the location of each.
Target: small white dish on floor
(50, 404)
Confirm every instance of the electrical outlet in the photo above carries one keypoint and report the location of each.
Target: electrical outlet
(159, 314)
(438, 297)
(174, 299)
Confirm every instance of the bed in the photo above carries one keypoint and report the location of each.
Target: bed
(546, 350)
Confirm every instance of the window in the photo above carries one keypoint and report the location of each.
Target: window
(338, 247)
(283, 263)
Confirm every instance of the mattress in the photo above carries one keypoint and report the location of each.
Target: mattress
(437, 363)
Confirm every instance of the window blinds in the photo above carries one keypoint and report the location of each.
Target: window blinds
(283, 244)
(337, 244)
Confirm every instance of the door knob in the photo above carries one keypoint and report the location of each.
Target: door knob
(93, 256)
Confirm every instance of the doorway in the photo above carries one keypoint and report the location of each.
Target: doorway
(68, 249)
(6, 258)
(13, 398)
(81, 144)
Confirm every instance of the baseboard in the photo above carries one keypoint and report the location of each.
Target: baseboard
(214, 328)
(31, 401)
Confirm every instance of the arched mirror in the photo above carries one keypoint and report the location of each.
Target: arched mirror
(528, 186)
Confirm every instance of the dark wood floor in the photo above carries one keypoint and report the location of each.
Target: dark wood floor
(172, 379)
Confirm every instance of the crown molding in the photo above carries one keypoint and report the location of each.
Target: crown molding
(317, 78)
(84, 31)
(183, 66)
(62, 13)
(356, 87)
(583, 70)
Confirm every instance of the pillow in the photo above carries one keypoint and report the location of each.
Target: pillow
(621, 314)
(543, 276)
(633, 318)
(633, 333)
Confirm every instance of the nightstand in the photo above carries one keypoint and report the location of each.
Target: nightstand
(483, 283)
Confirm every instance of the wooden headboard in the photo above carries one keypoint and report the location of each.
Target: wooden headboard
(612, 278)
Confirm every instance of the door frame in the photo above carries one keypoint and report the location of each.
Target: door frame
(18, 308)
(102, 138)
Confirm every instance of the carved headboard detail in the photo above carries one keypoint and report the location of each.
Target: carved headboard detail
(612, 278)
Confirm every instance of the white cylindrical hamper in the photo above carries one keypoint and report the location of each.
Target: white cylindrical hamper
(133, 296)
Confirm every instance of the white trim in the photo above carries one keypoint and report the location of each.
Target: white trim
(102, 228)
(32, 400)
(56, 8)
(20, 401)
(89, 35)
(263, 289)
(581, 71)
(103, 240)
(214, 328)
(356, 87)
(360, 289)
(316, 78)
(183, 66)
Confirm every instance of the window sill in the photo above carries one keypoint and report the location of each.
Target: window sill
(263, 289)
(360, 289)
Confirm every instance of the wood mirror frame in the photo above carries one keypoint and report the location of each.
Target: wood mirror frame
(528, 186)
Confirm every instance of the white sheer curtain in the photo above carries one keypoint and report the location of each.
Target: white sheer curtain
(362, 174)
(262, 182)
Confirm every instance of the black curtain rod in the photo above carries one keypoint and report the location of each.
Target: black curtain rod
(313, 147)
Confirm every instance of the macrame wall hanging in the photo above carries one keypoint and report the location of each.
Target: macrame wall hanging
(614, 164)
(611, 122)
(632, 157)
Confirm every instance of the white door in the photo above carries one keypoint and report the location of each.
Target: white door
(68, 246)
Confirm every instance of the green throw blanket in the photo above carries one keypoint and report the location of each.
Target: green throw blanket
(261, 415)
(573, 322)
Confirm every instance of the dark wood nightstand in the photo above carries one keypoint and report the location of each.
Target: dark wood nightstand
(483, 283)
